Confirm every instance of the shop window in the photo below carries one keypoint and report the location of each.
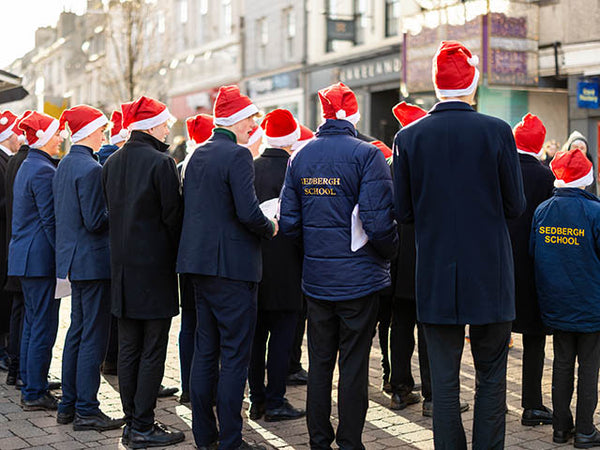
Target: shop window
(262, 34)
(392, 17)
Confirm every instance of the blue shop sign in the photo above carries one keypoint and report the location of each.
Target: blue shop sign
(587, 95)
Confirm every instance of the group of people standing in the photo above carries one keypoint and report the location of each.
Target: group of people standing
(314, 223)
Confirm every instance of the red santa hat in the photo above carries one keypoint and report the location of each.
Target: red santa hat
(38, 128)
(454, 70)
(281, 129)
(117, 132)
(306, 135)
(256, 134)
(7, 125)
(144, 113)
(339, 102)
(405, 113)
(572, 169)
(200, 127)
(530, 134)
(387, 152)
(17, 130)
(82, 120)
(231, 106)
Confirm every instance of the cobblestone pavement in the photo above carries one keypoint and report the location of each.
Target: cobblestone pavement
(383, 429)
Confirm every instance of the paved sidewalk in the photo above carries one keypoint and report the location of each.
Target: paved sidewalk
(384, 428)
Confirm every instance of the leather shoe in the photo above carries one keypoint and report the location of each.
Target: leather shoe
(109, 368)
(248, 446)
(46, 402)
(125, 435)
(11, 379)
(157, 436)
(184, 397)
(257, 410)
(587, 440)
(386, 387)
(167, 391)
(428, 408)
(97, 422)
(284, 412)
(19, 384)
(402, 401)
(533, 417)
(299, 378)
(54, 385)
(562, 437)
(4, 363)
(211, 446)
(65, 418)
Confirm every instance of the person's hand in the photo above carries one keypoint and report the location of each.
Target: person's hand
(275, 227)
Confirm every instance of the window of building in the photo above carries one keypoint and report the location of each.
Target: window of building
(392, 17)
(289, 24)
(361, 19)
(226, 17)
(341, 24)
(262, 34)
(183, 11)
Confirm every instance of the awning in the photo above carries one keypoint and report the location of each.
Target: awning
(11, 89)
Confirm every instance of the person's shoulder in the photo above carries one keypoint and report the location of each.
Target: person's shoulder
(492, 121)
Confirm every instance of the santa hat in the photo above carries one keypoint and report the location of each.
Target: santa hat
(454, 70)
(200, 127)
(144, 113)
(405, 113)
(387, 152)
(7, 125)
(17, 130)
(256, 134)
(306, 135)
(117, 132)
(572, 169)
(339, 102)
(38, 128)
(530, 133)
(82, 120)
(281, 129)
(231, 106)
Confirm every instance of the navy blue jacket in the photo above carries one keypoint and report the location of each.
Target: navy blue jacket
(324, 182)
(82, 250)
(105, 151)
(565, 244)
(457, 176)
(222, 222)
(31, 248)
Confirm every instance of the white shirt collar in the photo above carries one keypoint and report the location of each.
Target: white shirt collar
(5, 150)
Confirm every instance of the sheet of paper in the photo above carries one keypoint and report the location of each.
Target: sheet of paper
(359, 237)
(270, 207)
(63, 288)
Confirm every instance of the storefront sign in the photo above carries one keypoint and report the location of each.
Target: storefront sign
(266, 85)
(341, 30)
(587, 95)
(377, 70)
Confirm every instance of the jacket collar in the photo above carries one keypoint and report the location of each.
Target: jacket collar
(145, 138)
(23, 148)
(333, 126)
(275, 153)
(82, 150)
(37, 153)
(451, 106)
(223, 133)
(575, 192)
(529, 159)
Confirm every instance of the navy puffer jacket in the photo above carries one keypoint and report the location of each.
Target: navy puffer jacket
(325, 180)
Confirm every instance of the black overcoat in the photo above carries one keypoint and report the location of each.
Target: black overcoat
(142, 191)
(538, 183)
(280, 288)
(3, 224)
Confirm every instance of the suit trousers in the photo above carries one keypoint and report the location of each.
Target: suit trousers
(489, 347)
(586, 348)
(39, 334)
(187, 331)
(142, 353)
(296, 353)
(278, 328)
(226, 316)
(384, 320)
(112, 349)
(533, 370)
(345, 328)
(85, 346)
(17, 315)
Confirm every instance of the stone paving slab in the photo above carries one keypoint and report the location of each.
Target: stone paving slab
(384, 429)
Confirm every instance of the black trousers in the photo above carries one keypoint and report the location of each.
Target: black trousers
(384, 320)
(296, 353)
(112, 349)
(402, 344)
(489, 347)
(16, 331)
(142, 353)
(344, 327)
(533, 370)
(586, 348)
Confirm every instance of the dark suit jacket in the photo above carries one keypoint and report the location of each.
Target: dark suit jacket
(142, 192)
(280, 288)
(82, 250)
(31, 248)
(222, 223)
(538, 182)
(3, 237)
(457, 176)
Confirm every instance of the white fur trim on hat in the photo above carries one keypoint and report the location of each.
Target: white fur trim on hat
(538, 155)
(284, 141)
(459, 92)
(581, 182)
(22, 139)
(6, 133)
(242, 114)
(4, 121)
(256, 136)
(89, 128)
(151, 122)
(44, 136)
(114, 140)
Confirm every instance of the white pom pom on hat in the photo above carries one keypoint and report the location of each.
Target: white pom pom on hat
(340, 114)
(4, 121)
(39, 133)
(22, 138)
(473, 60)
(124, 133)
(64, 134)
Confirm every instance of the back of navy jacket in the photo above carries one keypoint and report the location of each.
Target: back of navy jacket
(324, 182)
(565, 244)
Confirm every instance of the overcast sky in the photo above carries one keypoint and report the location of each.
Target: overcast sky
(20, 18)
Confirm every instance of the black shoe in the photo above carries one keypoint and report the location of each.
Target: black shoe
(428, 408)
(4, 363)
(211, 446)
(45, 402)
(11, 379)
(19, 384)
(157, 436)
(184, 397)
(54, 385)
(386, 387)
(284, 412)
(299, 378)
(562, 437)
(97, 422)
(417, 388)
(125, 435)
(256, 411)
(587, 440)
(65, 418)
(402, 401)
(167, 391)
(533, 417)
(248, 446)
(109, 368)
